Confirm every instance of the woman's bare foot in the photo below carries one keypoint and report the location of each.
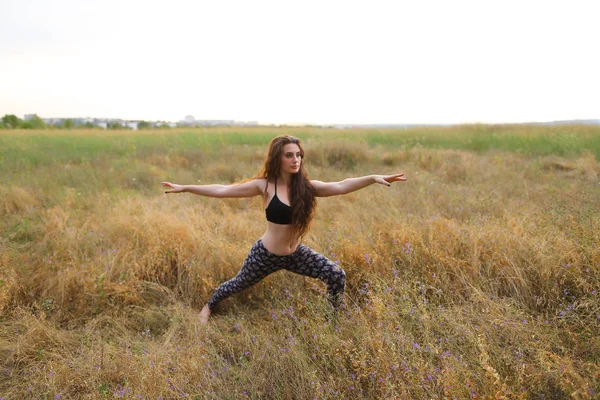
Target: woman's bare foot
(204, 314)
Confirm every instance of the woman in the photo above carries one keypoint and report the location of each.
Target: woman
(290, 197)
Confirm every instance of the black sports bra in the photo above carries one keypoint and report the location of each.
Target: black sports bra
(277, 211)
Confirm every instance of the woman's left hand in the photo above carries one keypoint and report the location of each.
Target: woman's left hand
(389, 179)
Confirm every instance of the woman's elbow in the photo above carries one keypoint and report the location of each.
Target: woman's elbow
(221, 192)
(335, 192)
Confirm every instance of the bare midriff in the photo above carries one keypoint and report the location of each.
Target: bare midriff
(279, 240)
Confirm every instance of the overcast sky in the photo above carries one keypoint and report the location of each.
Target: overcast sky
(302, 61)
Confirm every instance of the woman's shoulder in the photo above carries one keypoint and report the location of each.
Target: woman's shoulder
(261, 183)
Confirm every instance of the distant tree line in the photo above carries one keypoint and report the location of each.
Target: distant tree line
(11, 121)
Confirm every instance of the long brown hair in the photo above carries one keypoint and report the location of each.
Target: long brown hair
(302, 193)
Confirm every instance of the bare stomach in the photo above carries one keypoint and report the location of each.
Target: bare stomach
(279, 240)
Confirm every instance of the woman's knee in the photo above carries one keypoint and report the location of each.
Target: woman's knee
(337, 275)
(342, 278)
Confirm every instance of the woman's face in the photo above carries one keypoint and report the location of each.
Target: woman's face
(291, 158)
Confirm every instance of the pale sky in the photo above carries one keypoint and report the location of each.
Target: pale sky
(448, 61)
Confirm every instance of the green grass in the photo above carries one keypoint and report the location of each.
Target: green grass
(27, 150)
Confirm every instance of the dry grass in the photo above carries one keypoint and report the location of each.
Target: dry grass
(476, 278)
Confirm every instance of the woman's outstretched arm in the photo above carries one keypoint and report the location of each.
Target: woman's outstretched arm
(326, 189)
(251, 188)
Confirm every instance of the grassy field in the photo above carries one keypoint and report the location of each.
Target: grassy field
(479, 277)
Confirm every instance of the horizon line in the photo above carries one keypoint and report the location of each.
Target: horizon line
(289, 123)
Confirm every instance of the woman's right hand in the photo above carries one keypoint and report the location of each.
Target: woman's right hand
(173, 187)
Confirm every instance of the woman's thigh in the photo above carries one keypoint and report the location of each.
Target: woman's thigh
(307, 262)
(258, 264)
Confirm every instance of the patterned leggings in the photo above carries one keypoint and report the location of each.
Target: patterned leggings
(304, 261)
